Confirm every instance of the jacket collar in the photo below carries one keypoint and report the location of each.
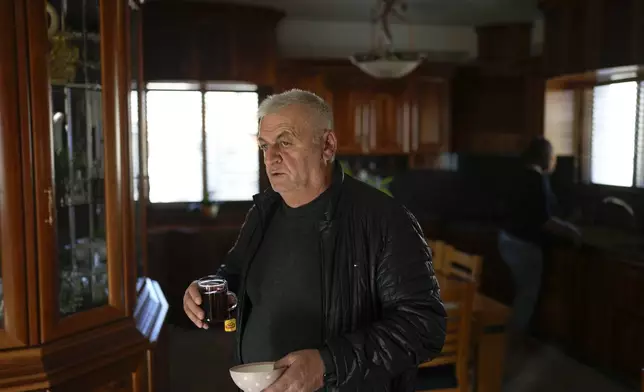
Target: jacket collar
(267, 201)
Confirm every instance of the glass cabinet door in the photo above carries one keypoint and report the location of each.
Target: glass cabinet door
(76, 159)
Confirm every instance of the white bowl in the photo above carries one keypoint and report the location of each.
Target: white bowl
(255, 377)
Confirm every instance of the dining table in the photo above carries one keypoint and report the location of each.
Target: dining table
(489, 318)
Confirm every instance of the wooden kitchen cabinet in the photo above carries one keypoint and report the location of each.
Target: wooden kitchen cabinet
(377, 117)
(591, 305)
(409, 119)
(72, 313)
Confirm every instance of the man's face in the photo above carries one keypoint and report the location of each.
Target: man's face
(552, 163)
(293, 158)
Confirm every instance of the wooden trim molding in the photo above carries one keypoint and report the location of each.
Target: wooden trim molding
(92, 358)
(76, 362)
(127, 224)
(12, 246)
(28, 205)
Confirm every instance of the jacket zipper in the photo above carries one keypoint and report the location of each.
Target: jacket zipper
(243, 284)
(323, 231)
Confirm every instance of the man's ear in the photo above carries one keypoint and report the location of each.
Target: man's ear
(329, 146)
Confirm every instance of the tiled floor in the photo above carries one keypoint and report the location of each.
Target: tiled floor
(199, 361)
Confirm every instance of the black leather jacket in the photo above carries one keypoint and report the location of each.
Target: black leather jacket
(382, 306)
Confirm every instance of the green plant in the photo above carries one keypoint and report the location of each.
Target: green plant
(382, 184)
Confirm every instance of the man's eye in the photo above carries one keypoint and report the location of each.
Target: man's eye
(284, 143)
(262, 147)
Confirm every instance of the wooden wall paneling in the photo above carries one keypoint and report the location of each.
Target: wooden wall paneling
(592, 30)
(584, 35)
(164, 32)
(534, 106)
(638, 32)
(628, 343)
(552, 46)
(505, 44)
(124, 78)
(213, 46)
(13, 330)
(628, 321)
(576, 40)
(617, 38)
(210, 42)
(490, 111)
(254, 49)
(597, 311)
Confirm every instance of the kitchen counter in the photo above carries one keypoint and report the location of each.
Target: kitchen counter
(628, 246)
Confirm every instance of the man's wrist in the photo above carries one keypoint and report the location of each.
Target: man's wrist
(329, 366)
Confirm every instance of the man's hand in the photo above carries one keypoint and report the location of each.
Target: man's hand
(304, 372)
(191, 302)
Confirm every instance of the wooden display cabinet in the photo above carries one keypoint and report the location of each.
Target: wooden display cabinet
(72, 316)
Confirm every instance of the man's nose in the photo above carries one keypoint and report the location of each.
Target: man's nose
(272, 154)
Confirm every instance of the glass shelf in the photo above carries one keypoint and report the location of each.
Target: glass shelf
(79, 164)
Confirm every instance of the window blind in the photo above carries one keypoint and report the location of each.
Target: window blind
(174, 146)
(639, 142)
(231, 145)
(187, 155)
(614, 128)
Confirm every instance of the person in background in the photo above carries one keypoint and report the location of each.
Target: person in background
(530, 222)
(335, 278)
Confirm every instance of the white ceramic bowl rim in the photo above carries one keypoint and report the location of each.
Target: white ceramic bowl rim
(257, 367)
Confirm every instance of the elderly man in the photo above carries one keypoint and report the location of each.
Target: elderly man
(334, 278)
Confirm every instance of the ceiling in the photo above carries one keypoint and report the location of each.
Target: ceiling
(435, 12)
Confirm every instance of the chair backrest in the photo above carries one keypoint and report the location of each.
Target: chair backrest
(438, 254)
(458, 299)
(462, 265)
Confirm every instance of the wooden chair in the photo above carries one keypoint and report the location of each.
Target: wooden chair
(438, 253)
(461, 264)
(449, 372)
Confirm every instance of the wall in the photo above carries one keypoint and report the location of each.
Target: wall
(328, 39)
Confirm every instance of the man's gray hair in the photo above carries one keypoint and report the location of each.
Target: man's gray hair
(320, 115)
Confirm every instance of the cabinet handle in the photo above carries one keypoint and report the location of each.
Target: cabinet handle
(50, 201)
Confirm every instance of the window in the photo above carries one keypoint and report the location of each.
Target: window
(201, 143)
(616, 140)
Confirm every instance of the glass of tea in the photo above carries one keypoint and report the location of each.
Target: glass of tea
(216, 301)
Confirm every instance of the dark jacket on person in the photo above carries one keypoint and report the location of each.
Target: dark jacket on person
(381, 302)
(531, 203)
